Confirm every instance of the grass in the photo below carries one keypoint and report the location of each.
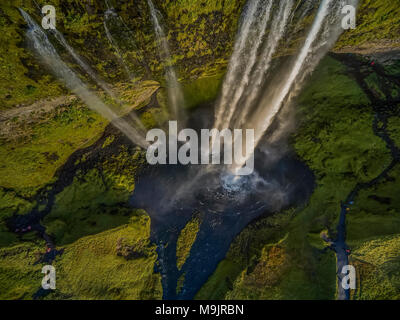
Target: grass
(373, 233)
(19, 277)
(338, 138)
(95, 201)
(185, 241)
(91, 269)
(11, 203)
(201, 91)
(377, 263)
(280, 257)
(16, 63)
(375, 213)
(31, 161)
(376, 20)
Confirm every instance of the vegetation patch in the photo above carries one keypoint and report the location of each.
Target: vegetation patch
(186, 239)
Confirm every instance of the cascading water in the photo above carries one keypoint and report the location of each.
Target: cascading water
(175, 94)
(237, 61)
(111, 17)
(52, 60)
(278, 29)
(58, 35)
(253, 41)
(257, 110)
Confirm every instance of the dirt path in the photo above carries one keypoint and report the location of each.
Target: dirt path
(383, 110)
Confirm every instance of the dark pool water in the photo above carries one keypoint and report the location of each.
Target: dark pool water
(172, 194)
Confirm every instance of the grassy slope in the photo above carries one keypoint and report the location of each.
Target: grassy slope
(32, 161)
(191, 29)
(19, 82)
(19, 278)
(373, 234)
(185, 241)
(377, 21)
(90, 268)
(337, 142)
(96, 200)
(377, 263)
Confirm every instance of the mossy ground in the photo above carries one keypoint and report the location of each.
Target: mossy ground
(31, 161)
(19, 277)
(377, 22)
(185, 240)
(89, 268)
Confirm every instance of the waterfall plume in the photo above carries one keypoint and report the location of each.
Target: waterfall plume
(175, 94)
(252, 96)
(53, 62)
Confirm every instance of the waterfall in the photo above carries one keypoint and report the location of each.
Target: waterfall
(83, 64)
(175, 95)
(108, 16)
(237, 60)
(259, 30)
(278, 29)
(59, 36)
(52, 60)
(269, 111)
(322, 35)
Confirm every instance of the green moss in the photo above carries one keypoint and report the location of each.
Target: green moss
(220, 282)
(19, 277)
(180, 283)
(377, 263)
(202, 90)
(15, 86)
(95, 201)
(90, 268)
(376, 20)
(374, 83)
(394, 129)
(185, 241)
(108, 141)
(337, 138)
(31, 161)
